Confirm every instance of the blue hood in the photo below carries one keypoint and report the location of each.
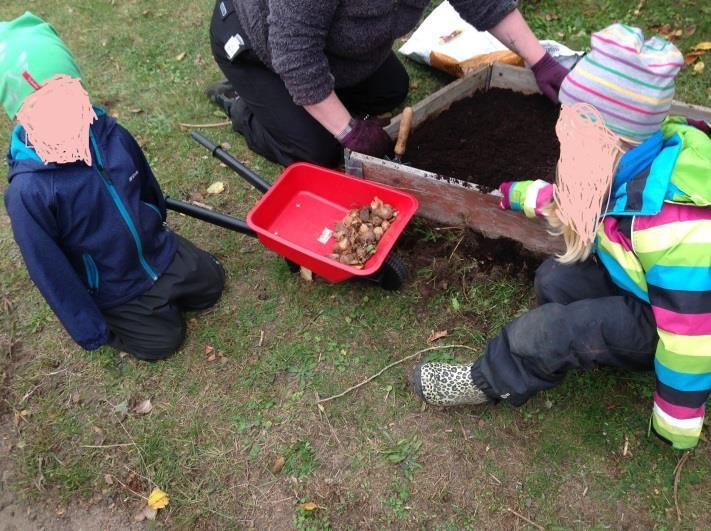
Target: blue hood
(644, 176)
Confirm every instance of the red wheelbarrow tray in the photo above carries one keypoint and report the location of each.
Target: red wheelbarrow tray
(296, 216)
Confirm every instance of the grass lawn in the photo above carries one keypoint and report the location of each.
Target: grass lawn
(372, 459)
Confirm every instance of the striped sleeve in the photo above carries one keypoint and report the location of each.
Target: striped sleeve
(675, 249)
(526, 196)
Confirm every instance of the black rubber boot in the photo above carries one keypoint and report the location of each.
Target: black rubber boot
(223, 95)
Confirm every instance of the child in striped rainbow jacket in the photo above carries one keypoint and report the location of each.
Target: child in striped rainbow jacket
(638, 294)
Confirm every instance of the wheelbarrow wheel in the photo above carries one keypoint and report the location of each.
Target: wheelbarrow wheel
(392, 274)
(293, 266)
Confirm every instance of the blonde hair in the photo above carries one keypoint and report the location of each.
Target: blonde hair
(589, 156)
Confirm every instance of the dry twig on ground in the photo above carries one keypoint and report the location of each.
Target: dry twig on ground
(398, 362)
(677, 478)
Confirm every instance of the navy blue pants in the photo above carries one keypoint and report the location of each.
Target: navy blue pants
(583, 321)
(151, 326)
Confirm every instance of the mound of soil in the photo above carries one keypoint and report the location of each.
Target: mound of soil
(502, 255)
(491, 137)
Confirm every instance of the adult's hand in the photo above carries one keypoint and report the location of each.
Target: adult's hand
(368, 137)
(515, 34)
(549, 76)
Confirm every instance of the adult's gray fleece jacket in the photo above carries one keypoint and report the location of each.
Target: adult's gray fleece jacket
(318, 45)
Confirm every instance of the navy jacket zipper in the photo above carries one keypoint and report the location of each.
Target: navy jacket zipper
(92, 273)
(98, 166)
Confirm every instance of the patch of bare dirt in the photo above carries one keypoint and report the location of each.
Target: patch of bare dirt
(18, 514)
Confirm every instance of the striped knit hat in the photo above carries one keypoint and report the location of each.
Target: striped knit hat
(629, 80)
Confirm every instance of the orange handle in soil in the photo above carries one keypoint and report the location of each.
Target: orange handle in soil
(404, 132)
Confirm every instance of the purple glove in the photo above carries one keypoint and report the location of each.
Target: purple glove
(700, 125)
(549, 76)
(368, 137)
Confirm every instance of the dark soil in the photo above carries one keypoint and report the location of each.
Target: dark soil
(424, 241)
(494, 136)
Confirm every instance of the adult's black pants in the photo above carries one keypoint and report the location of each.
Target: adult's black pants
(272, 124)
(583, 321)
(151, 326)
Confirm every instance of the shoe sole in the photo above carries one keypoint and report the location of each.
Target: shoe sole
(414, 379)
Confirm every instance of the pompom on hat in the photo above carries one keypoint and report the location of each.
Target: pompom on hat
(29, 44)
(630, 81)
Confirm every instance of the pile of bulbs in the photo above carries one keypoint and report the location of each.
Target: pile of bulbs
(357, 236)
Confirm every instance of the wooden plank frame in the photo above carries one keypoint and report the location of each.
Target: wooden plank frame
(455, 202)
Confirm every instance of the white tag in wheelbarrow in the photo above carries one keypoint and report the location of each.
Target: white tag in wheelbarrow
(325, 236)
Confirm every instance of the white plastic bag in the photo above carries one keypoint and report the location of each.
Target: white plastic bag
(446, 42)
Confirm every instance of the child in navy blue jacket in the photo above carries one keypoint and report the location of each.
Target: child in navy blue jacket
(91, 226)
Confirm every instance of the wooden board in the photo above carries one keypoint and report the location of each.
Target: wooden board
(455, 202)
(451, 201)
(441, 100)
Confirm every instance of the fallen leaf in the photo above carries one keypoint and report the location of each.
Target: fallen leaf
(150, 513)
(143, 408)
(211, 358)
(306, 274)
(180, 56)
(434, 336)
(123, 354)
(108, 478)
(699, 67)
(158, 499)
(666, 31)
(309, 506)
(209, 349)
(691, 57)
(191, 324)
(551, 16)
(216, 188)
(140, 515)
(225, 145)
(702, 47)
(76, 397)
(690, 30)
(136, 110)
(278, 464)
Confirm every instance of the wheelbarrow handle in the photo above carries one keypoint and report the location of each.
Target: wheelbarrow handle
(215, 218)
(231, 162)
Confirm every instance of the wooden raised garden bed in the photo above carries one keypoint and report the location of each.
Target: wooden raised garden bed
(468, 199)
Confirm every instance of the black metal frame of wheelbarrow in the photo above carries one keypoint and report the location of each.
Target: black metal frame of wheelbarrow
(391, 275)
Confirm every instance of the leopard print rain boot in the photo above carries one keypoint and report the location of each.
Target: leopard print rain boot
(446, 384)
